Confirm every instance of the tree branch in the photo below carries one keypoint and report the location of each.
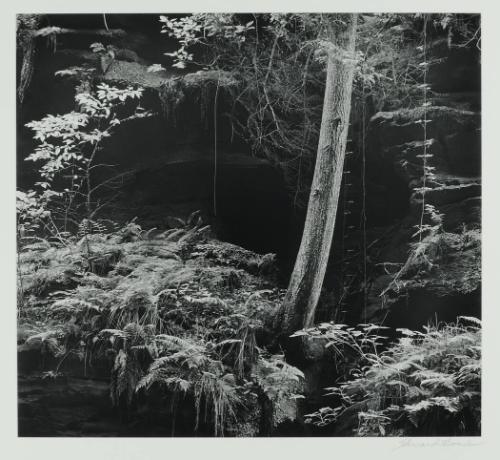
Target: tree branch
(46, 31)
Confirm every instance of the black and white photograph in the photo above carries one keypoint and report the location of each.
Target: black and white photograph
(248, 224)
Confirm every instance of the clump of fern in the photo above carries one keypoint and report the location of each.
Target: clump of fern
(132, 346)
(187, 366)
(46, 341)
(426, 383)
(171, 315)
(281, 384)
(221, 396)
(434, 249)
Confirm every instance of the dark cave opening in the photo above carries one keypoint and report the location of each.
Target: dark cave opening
(252, 206)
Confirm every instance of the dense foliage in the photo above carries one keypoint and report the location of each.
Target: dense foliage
(176, 311)
(185, 322)
(68, 150)
(427, 383)
(277, 61)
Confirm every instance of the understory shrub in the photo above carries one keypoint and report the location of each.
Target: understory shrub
(428, 383)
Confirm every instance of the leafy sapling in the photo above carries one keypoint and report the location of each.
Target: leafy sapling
(69, 145)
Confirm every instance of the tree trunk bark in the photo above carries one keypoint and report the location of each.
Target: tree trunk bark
(299, 306)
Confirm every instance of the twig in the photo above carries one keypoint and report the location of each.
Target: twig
(46, 31)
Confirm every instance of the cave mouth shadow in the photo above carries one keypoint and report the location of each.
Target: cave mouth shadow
(253, 209)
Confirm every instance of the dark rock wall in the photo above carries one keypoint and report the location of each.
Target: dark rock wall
(398, 291)
(169, 157)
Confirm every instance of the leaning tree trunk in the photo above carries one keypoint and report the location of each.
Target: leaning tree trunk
(299, 306)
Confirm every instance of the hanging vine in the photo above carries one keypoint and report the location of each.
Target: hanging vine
(363, 209)
(216, 100)
(424, 64)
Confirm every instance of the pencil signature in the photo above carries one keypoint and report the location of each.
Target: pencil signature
(437, 442)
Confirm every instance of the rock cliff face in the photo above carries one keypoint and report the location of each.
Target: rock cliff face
(181, 101)
(435, 275)
(169, 158)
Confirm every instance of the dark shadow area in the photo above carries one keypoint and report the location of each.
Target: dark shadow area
(421, 308)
